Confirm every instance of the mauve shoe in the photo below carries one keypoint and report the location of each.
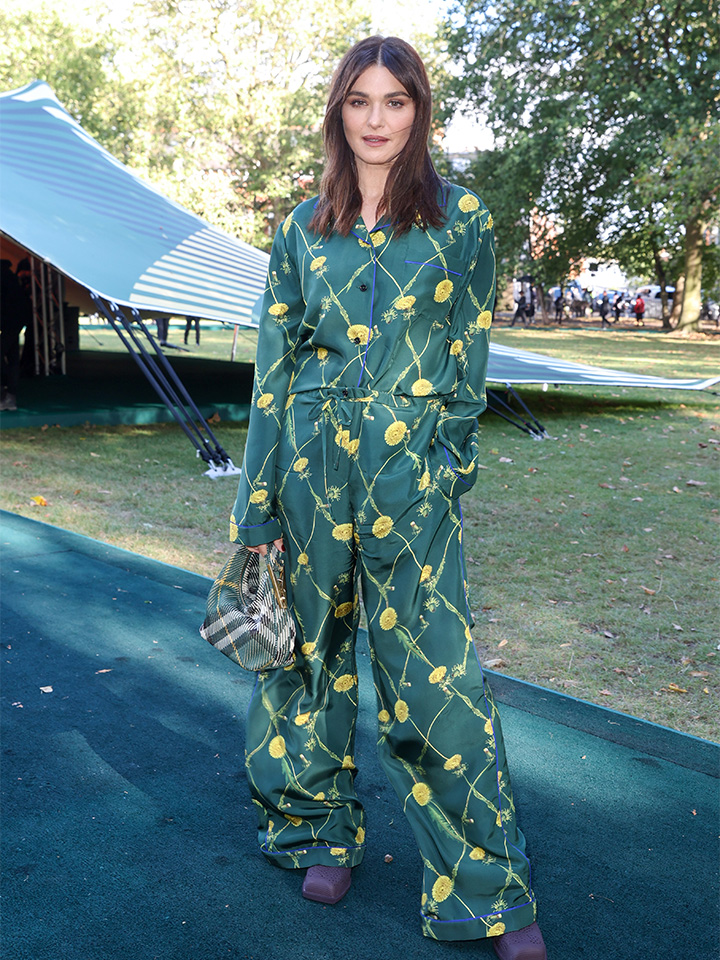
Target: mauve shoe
(326, 884)
(525, 944)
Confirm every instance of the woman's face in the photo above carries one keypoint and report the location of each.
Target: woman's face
(377, 115)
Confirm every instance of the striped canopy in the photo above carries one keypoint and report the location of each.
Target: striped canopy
(65, 199)
(512, 366)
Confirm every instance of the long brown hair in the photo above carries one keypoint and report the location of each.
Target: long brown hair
(413, 184)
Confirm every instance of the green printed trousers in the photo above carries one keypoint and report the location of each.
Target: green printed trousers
(362, 511)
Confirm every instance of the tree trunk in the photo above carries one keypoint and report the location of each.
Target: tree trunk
(541, 300)
(692, 294)
(677, 303)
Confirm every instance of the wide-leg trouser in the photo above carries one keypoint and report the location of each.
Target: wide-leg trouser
(360, 510)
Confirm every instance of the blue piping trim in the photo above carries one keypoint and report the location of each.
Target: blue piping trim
(435, 266)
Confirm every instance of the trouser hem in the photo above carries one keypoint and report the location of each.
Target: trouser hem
(480, 928)
(315, 856)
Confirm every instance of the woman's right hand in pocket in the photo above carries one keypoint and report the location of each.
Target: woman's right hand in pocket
(262, 549)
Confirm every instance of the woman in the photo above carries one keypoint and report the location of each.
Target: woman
(363, 433)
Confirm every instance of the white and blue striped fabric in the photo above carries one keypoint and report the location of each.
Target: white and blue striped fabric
(68, 201)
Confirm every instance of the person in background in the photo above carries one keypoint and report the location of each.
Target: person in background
(639, 310)
(520, 312)
(371, 362)
(604, 310)
(618, 306)
(189, 321)
(15, 314)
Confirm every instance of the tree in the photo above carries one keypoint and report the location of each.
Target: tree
(586, 98)
(80, 68)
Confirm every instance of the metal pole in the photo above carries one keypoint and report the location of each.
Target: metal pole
(234, 343)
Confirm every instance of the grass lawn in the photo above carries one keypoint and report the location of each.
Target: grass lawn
(591, 556)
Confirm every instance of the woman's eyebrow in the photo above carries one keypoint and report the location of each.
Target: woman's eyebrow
(386, 96)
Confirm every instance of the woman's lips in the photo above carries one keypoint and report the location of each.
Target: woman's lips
(375, 140)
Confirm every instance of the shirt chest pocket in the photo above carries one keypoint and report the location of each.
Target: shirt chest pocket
(434, 285)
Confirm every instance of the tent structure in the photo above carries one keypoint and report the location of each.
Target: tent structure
(513, 367)
(98, 230)
(71, 203)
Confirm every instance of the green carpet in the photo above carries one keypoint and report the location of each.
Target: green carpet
(109, 388)
(128, 832)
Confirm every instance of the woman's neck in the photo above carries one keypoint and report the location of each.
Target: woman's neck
(371, 183)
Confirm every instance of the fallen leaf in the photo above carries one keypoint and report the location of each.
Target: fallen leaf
(506, 460)
(676, 490)
(699, 673)
(696, 483)
(625, 548)
(494, 664)
(606, 486)
(606, 693)
(106, 670)
(674, 688)
(609, 635)
(504, 643)
(388, 858)
(215, 418)
(648, 590)
(637, 499)
(46, 689)
(41, 501)
(678, 627)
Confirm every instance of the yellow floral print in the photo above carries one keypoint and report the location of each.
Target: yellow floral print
(265, 400)
(346, 681)
(490, 223)
(477, 853)
(303, 559)
(307, 648)
(295, 821)
(343, 531)
(424, 481)
(342, 438)
(382, 527)
(319, 796)
(421, 388)
(342, 611)
(496, 930)
(395, 433)
(468, 203)
(438, 675)
(401, 711)
(317, 263)
(422, 793)
(457, 348)
(443, 291)
(360, 836)
(286, 225)
(348, 763)
(453, 763)
(301, 719)
(388, 619)
(425, 573)
(377, 237)
(405, 303)
(278, 309)
(383, 716)
(484, 320)
(259, 496)
(300, 464)
(353, 446)
(322, 353)
(277, 747)
(442, 888)
(488, 726)
(337, 851)
(358, 333)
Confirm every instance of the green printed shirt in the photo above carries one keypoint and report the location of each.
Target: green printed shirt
(407, 315)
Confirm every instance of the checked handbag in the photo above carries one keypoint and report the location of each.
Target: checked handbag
(247, 616)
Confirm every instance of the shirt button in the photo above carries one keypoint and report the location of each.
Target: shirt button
(363, 287)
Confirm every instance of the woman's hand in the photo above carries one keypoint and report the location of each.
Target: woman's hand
(263, 548)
